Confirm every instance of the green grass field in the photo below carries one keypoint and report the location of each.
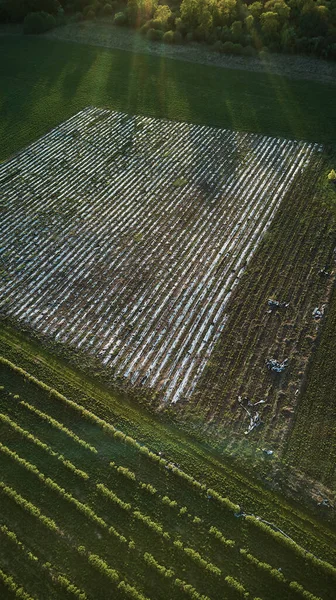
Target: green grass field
(56, 79)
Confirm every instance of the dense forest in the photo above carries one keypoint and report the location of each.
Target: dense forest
(228, 26)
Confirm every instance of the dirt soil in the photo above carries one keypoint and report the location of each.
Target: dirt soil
(103, 33)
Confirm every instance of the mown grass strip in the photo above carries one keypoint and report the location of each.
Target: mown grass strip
(35, 440)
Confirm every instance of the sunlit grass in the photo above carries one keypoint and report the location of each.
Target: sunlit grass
(43, 82)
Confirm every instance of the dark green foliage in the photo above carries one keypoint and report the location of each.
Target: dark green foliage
(90, 14)
(169, 37)
(107, 10)
(154, 35)
(38, 22)
(218, 46)
(16, 10)
(288, 26)
(140, 11)
(120, 19)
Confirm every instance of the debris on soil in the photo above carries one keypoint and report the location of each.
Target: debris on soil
(255, 419)
(275, 305)
(324, 273)
(318, 313)
(323, 500)
(275, 366)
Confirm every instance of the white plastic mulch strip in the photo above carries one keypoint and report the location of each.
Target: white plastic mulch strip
(124, 236)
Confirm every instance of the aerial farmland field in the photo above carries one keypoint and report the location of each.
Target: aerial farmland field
(167, 234)
(125, 236)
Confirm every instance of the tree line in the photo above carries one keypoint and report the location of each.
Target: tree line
(227, 26)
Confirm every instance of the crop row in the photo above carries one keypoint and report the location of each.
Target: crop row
(28, 506)
(278, 575)
(156, 311)
(58, 425)
(92, 516)
(122, 437)
(14, 539)
(93, 559)
(14, 587)
(83, 508)
(147, 487)
(322, 565)
(169, 574)
(98, 563)
(160, 461)
(59, 578)
(35, 440)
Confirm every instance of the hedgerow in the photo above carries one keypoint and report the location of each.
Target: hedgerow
(154, 525)
(127, 473)
(149, 488)
(13, 537)
(70, 587)
(223, 501)
(294, 585)
(131, 591)
(321, 565)
(236, 585)
(103, 567)
(117, 434)
(169, 502)
(190, 590)
(60, 579)
(83, 508)
(113, 575)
